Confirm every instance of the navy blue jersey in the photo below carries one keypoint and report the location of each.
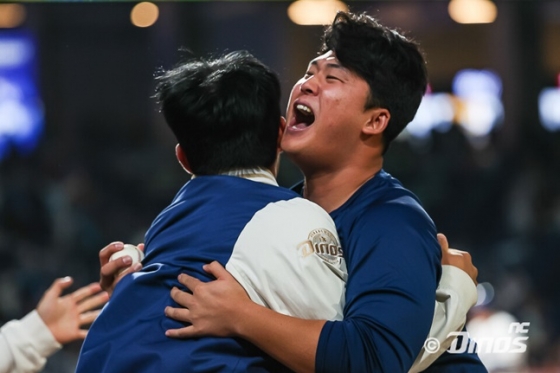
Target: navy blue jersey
(264, 235)
(394, 265)
(393, 261)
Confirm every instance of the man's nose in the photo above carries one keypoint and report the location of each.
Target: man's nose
(309, 86)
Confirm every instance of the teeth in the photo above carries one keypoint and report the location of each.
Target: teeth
(304, 109)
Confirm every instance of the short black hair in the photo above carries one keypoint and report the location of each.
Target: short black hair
(224, 112)
(391, 64)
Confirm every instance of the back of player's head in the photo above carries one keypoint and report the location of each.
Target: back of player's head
(224, 112)
(391, 64)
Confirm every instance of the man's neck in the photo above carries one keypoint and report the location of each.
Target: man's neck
(331, 190)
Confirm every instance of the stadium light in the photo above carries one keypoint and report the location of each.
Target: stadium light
(480, 93)
(549, 109)
(472, 11)
(11, 15)
(144, 14)
(315, 12)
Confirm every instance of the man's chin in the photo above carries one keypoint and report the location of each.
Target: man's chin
(288, 145)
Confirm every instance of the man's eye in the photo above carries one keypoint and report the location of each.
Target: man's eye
(333, 77)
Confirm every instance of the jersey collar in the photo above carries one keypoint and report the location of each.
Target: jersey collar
(261, 175)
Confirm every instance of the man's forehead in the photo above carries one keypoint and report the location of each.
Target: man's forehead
(328, 58)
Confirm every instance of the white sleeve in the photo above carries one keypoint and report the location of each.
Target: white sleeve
(288, 258)
(455, 295)
(25, 345)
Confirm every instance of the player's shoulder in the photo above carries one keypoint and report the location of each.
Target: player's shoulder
(295, 207)
(394, 216)
(294, 217)
(400, 203)
(393, 208)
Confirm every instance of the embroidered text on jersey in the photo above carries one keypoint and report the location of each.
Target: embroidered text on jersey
(323, 243)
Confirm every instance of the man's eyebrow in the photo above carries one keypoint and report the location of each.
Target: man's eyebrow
(332, 65)
(336, 66)
(313, 63)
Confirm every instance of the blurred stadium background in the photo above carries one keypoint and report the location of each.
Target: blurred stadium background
(85, 158)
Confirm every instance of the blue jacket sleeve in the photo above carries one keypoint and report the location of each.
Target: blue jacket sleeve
(393, 260)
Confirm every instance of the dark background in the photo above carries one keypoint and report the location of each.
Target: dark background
(105, 165)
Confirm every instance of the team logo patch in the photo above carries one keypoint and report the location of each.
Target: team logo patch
(323, 243)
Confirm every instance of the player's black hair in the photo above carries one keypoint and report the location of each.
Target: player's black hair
(391, 64)
(224, 112)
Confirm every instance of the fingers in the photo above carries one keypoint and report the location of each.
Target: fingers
(109, 250)
(110, 269)
(85, 291)
(474, 274)
(190, 282)
(462, 260)
(179, 314)
(216, 270)
(134, 268)
(442, 241)
(114, 271)
(87, 318)
(186, 332)
(93, 302)
(181, 297)
(58, 287)
(81, 334)
(462, 253)
(140, 246)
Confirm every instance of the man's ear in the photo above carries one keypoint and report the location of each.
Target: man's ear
(281, 130)
(182, 158)
(377, 122)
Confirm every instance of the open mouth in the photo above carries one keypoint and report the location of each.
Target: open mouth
(304, 116)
